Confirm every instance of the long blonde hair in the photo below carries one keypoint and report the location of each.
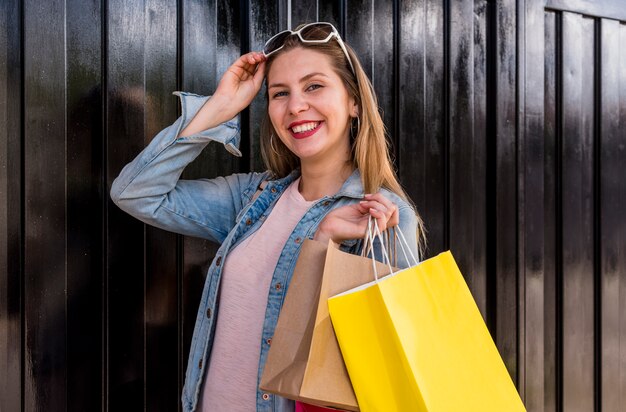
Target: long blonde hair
(370, 148)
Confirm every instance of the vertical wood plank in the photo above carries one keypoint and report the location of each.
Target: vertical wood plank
(84, 193)
(11, 207)
(552, 375)
(359, 31)
(383, 75)
(466, 153)
(304, 11)
(7, 287)
(462, 139)
(262, 23)
(577, 213)
(531, 381)
(422, 156)
(161, 281)
(613, 203)
(125, 235)
(480, 33)
(620, 241)
(507, 187)
(329, 10)
(200, 53)
(45, 235)
(410, 134)
(370, 31)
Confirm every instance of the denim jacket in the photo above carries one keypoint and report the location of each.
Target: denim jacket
(225, 210)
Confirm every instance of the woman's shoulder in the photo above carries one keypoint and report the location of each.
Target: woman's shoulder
(252, 183)
(243, 183)
(401, 202)
(255, 176)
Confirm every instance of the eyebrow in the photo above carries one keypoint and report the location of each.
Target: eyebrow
(305, 78)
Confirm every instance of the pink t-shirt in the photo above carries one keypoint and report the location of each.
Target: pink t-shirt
(231, 379)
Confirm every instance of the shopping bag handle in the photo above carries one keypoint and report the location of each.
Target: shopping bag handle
(398, 233)
(373, 231)
(388, 241)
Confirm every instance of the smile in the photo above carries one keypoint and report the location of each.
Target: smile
(305, 129)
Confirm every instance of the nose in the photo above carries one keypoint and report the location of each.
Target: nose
(297, 103)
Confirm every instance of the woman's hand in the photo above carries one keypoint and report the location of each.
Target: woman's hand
(235, 91)
(350, 221)
(241, 82)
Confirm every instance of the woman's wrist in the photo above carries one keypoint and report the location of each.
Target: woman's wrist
(321, 235)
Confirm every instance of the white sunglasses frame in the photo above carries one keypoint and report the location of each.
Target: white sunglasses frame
(333, 33)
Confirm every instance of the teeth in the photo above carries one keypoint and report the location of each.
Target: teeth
(305, 127)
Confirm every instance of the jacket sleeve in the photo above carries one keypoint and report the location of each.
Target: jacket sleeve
(149, 187)
(408, 227)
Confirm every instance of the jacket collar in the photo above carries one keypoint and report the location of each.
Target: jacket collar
(352, 187)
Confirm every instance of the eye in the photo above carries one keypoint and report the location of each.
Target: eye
(314, 86)
(279, 94)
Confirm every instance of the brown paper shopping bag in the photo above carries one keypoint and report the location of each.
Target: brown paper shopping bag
(304, 362)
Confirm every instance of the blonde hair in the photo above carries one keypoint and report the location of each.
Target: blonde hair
(370, 148)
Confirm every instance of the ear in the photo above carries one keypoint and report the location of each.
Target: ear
(354, 109)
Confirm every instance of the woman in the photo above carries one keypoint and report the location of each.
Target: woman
(324, 145)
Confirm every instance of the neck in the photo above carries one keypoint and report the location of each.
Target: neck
(321, 180)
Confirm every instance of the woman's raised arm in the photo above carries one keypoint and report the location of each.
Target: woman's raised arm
(238, 86)
(149, 187)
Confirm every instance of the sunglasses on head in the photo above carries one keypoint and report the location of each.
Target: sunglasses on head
(320, 32)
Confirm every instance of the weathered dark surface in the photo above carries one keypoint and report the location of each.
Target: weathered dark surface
(11, 207)
(84, 205)
(506, 119)
(612, 229)
(45, 235)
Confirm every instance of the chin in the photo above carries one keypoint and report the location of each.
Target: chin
(307, 151)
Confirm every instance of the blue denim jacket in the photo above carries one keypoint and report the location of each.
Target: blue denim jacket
(223, 210)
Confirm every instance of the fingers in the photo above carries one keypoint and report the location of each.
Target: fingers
(253, 57)
(260, 73)
(382, 209)
(249, 64)
(251, 60)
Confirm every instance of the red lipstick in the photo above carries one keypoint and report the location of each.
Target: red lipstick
(303, 134)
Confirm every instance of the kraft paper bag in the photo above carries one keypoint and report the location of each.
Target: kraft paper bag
(304, 362)
(416, 341)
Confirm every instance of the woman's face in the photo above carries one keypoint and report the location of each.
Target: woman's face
(309, 105)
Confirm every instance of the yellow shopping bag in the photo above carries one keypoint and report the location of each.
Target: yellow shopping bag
(416, 341)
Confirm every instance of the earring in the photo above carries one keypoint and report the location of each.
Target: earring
(272, 144)
(358, 128)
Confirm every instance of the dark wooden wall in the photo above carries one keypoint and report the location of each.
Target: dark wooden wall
(507, 120)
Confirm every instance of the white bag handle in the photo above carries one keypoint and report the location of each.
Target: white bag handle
(374, 232)
(371, 234)
(403, 243)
